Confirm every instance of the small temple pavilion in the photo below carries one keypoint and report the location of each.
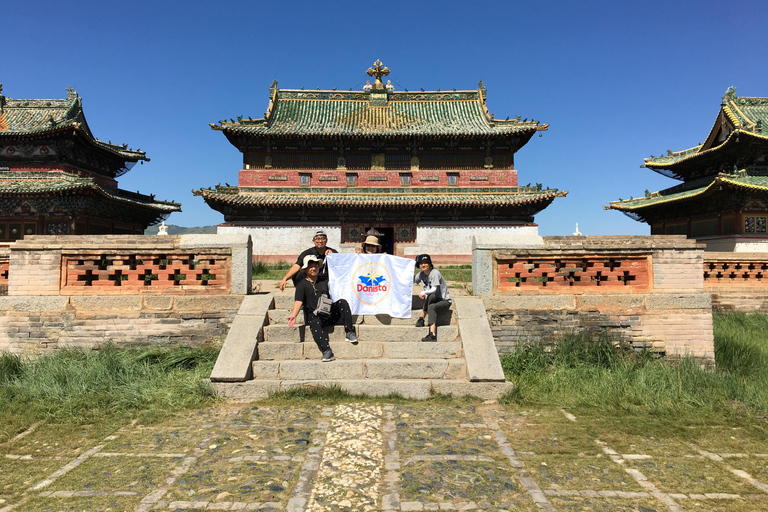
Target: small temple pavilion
(426, 169)
(723, 198)
(56, 178)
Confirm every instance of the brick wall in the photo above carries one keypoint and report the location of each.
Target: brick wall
(30, 325)
(643, 290)
(129, 265)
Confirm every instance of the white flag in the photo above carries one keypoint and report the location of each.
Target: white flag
(372, 283)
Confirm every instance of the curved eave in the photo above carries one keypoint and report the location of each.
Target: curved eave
(363, 199)
(162, 207)
(644, 204)
(728, 143)
(127, 155)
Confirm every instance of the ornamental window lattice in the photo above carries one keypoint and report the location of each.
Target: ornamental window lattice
(578, 272)
(729, 273)
(158, 273)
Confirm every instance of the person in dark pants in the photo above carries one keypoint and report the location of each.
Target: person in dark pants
(308, 291)
(435, 295)
(319, 250)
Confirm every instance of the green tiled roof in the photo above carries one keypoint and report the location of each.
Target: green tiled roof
(23, 118)
(693, 189)
(13, 183)
(252, 197)
(748, 117)
(353, 114)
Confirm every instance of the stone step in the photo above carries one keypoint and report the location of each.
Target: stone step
(341, 369)
(285, 350)
(273, 333)
(285, 301)
(445, 318)
(419, 389)
(280, 316)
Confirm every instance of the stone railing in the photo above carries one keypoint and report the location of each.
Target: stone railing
(729, 269)
(738, 281)
(644, 290)
(129, 265)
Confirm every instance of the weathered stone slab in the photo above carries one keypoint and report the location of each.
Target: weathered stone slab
(513, 302)
(394, 369)
(443, 318)
(277, 351)
(265, 369)
(33, 303)
(161, 302)
(284, 301)
(300, 333)
(621, 301)
(679, 301)
(391, 333)
(210, 302)
(421, 350)
(106, 302)
(484, 390)
(346, 350)
(402, 333)
(477, 340)
(315, 370)
(250, 390)
(239, 349)
(412, 389)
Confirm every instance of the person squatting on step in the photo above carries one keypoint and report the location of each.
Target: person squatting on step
(319, 250)
(435, 295)
(313, 295)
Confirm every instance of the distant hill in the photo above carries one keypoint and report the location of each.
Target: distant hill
(178, 230)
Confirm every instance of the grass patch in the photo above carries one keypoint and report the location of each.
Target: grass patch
(271, 271)
(600, 377)
(86, 386)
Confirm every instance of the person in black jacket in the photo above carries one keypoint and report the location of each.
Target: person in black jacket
(308, 291)
(319, 250)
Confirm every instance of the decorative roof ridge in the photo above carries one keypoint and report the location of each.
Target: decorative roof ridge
(672, 154)
(234, 190)
(123, 150)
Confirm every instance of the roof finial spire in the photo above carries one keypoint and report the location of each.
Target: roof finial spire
(378, 70)
(71, 93)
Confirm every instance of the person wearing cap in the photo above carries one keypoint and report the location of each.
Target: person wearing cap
(319, 250)
(435, 295)
(308, 291)
(370, 246)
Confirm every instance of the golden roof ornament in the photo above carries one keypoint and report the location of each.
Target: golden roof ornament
(378, 70)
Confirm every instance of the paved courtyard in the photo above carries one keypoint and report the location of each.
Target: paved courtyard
(380, 456)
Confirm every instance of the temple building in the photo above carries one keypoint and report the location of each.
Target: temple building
(57, 178)
(427, 169)
(723, 198)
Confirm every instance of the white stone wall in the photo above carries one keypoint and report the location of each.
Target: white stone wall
(433, 239)
(457, 240)
(736, 244)
(288, 241)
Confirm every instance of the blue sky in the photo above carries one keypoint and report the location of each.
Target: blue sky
(616, 81)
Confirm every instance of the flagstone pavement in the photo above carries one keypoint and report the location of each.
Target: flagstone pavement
(380, 456)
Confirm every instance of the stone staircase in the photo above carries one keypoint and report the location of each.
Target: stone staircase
(388, 358)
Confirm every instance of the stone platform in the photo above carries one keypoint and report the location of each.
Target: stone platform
(263, 355)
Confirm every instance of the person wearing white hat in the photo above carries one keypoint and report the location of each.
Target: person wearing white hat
(319, 250)
(308, 293)
(370, 246)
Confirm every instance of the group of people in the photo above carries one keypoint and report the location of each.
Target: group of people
(310, 278)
